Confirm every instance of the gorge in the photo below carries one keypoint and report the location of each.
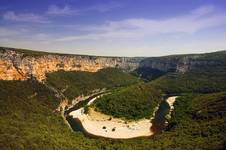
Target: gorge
(21, 64)
(36, 88)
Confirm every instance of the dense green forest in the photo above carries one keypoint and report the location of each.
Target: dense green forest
(28, 122)
(147, 74)
(133, 102)
(195, 82)
(75, 83)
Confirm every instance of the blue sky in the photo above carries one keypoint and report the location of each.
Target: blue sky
(114, 27)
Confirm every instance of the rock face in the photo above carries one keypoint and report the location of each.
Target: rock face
(184, 63)
(17, 65)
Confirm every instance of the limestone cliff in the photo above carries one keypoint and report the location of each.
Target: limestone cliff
(184, 63)
(16, 64)
(21, 65)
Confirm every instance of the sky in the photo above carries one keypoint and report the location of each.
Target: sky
(114, 27)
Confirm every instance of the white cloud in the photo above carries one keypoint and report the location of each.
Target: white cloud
(131, 37)
(197, 20)
(65, 10)
(28, 17)
(103, 7)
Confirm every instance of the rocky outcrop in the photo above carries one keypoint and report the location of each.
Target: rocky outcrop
(184, 63)
(160, 63)
(17, 65)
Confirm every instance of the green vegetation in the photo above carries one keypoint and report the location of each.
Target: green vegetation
(133, 102)
(86, 109)
(26, 52)
(198, 82)
(76, 83)
(216, 56)
(28, 119)
(33, 53)
(148, 74)
(200, 121)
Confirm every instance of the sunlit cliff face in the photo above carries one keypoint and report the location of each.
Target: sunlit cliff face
(16, 66)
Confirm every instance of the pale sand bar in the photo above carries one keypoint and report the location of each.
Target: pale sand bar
(171, 101)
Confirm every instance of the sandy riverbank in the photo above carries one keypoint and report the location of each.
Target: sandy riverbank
(171, 101)
(103, 125)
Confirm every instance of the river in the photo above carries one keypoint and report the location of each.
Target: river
(90, 128)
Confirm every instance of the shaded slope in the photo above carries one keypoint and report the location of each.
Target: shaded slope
(153, 67)
(195, 81)
(77, 83)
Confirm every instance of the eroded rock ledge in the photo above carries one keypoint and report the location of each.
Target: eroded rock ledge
(17, 65)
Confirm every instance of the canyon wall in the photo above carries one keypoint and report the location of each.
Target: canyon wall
(20, 65)
(16, 64)
(184, 63)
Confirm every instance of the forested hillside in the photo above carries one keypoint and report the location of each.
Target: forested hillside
(195, 81)
(133, 102)
(28, 122)
(76, 83)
